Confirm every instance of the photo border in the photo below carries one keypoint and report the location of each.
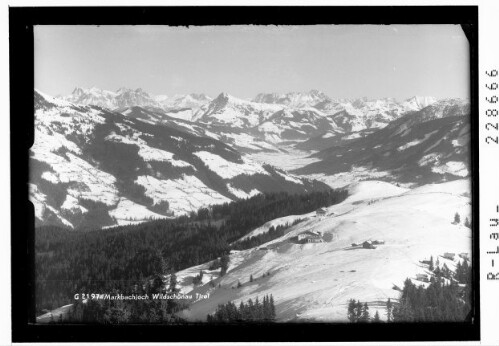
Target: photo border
(21, 22)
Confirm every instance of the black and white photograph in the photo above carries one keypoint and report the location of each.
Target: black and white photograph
(252, 174)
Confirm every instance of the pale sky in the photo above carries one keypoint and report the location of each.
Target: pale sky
(343, 61)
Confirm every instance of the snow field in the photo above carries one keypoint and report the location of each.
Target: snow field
(315, 281)
(183, 195)
(240, 193)
(127, 212)
(227, 169)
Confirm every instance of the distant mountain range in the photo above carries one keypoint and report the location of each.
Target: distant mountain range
(125, 97)
(343, 115)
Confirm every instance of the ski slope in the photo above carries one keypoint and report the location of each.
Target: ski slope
(313, 282)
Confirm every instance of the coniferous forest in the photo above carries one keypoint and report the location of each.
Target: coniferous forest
(446, 299)
(123, 258)
(256, 311)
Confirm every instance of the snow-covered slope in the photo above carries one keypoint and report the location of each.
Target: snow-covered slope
(313, 282)
(295, 124)
(237, 138)
(92, 167)
(190, 101)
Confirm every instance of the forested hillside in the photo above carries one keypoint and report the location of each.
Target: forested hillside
(101, 261)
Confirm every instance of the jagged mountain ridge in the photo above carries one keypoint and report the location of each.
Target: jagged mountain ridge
(126, 97)
(301, 116)
(95, 167)
(340, 116)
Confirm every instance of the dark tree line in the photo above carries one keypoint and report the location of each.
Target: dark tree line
(69, 262)
(259, 239)
(257, 311)
(442, 300)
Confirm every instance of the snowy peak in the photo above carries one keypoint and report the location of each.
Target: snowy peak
(123, 97)
(418, 102)
(227, 110)
(78, 91)
(293, 99)
(222, 99)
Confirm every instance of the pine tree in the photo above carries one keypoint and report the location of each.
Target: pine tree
(459, 271)
(358, 311)
(224, 264)
(251, 278)
(251, 310)
(403, 312)
(351, 310)
(266, 308)
(389, 308)
(446, 271)
(376, 317)
(457, 218)
(239, 284)
(365, 313)
(272, 308)
(431, 263)
(258, 310)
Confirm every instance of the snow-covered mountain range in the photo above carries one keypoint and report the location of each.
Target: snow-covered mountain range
(132, 156)
(94, 167)
(333, 115)
(126, 97)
